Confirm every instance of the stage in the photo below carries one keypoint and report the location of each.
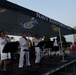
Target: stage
(48, 65)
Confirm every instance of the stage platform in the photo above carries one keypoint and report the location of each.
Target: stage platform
(47, 66)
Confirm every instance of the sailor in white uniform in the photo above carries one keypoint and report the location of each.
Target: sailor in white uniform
(36, 40)
(55, 42)
(3, 56)
(24, 51)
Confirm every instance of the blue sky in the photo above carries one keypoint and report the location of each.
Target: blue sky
(63, 11)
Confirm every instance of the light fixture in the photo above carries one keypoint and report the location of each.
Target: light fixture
(55, 28)
(2, 10)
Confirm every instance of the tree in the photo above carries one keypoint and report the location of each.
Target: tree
(46, 39)
(62, 37)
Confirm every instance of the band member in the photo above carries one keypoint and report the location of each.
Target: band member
(3, 56)
(24, 51)
(36, 40)
(55, 42)
(12, 39)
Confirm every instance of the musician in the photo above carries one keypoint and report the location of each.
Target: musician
(12, 39)
(36, 40)
(56, 49)
(24, 50)
(3, 56)
(55, 42)
(7, 38)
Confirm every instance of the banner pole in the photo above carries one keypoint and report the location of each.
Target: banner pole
(61, 46)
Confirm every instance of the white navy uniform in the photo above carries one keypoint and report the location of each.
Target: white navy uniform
(55, 44)
(37, 50)
(3, 56)
(23, 46)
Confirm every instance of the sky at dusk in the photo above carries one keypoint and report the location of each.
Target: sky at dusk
(63, 11)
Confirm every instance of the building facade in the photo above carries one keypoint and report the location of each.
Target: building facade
(74, 34)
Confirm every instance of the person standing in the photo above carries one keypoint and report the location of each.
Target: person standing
(36, 40)
(73, 47)
(12, 39)
(24, 51)
(55, 42)
(3, 56)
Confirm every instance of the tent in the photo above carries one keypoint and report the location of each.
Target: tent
(15, 19)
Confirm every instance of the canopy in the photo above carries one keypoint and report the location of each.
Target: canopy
(15, 19)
